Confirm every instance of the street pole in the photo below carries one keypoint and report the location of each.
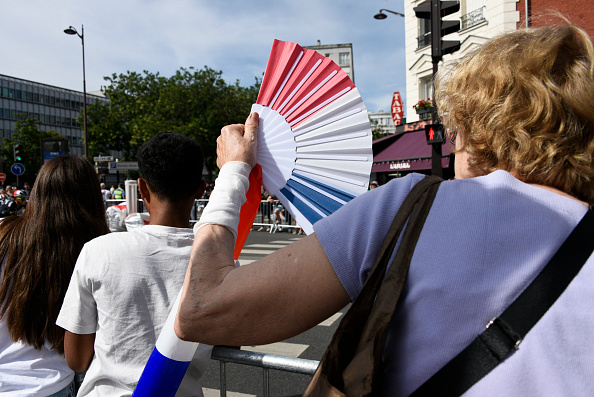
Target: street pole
(436, 168)
(86, 147)
(72, 31)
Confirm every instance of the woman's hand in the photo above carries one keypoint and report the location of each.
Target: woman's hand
(238, 142)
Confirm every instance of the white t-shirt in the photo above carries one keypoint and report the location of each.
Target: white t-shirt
(25, 371)
(106, 194)
(122, 289)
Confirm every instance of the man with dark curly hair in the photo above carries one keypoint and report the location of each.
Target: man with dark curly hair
(124, 284)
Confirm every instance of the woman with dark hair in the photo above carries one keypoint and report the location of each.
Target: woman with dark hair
(39, 250)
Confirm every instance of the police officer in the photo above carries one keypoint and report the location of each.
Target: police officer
(119, 193)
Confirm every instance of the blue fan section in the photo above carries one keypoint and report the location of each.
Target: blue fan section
(323, 203)
(334, 192)
(161, 376)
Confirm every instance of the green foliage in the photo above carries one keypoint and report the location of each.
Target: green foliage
(197, 103)
(377, 130)
(27, 134)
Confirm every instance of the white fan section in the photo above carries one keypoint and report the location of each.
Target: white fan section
(331, 147)
(335, 144)
(276, 149)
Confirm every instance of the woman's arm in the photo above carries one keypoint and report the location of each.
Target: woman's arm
(269, 300)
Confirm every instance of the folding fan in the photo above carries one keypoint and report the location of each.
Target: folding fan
(314, 155)
(314, 140)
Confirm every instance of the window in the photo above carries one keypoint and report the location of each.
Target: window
(344, 58)
(426, 88)
(424, 38)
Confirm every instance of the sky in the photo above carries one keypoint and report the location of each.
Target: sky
(233, 36)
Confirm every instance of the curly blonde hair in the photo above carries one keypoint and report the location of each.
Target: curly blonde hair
(524, 102)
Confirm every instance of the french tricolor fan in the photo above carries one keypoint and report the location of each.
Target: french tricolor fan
(314, 140)
(314, 149)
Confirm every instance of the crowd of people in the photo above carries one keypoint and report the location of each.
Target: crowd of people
(13, 200)
(520, 108)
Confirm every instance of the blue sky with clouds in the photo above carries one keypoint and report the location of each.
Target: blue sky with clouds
(233, 36)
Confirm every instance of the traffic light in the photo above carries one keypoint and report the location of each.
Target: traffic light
(434, 10)
(435, 133)
(18, 153)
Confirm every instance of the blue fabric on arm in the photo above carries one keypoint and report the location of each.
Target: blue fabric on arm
(375, 209)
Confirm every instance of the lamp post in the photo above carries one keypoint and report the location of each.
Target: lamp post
(381, 15)
(72, 31)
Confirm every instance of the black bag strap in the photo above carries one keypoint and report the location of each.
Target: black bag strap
(358, 342)
(504, 333)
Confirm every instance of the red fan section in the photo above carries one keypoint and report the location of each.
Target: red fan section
(307, 81)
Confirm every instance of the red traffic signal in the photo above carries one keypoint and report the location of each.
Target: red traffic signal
(435, 133)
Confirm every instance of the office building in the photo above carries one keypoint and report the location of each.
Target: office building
(382, 120)
(55, 108)
(341, 54)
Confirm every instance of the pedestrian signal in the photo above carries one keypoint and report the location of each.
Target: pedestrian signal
(435, 133)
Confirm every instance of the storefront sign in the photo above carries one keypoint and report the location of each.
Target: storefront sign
(399, 166)
(419, 125)
(397, 109)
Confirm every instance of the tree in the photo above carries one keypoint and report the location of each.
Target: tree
(27, 134)
(377, 130)
(196, 103)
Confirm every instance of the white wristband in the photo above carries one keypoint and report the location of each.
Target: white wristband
(227, 197)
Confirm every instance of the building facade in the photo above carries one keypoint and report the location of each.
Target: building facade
(479, 21)
(382, 120)
(341, 54)
(55, 108)
(579, 12)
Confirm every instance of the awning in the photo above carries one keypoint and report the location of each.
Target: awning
(409, 152)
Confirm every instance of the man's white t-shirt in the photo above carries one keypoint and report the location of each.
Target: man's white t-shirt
(122, 289)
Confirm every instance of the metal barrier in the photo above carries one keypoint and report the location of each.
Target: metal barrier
(264, 219)
(265, 361)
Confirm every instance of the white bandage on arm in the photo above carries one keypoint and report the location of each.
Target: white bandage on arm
(227, 197)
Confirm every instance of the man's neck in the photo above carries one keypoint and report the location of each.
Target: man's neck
(165, 213)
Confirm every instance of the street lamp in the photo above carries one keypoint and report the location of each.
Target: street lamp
(381, 15)
(72, 31)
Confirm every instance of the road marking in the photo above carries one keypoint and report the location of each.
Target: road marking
(287, 241)
(279, 349)
(256, 252)
(246, 261)
(217, 393)
(330, 320)
(266, 245)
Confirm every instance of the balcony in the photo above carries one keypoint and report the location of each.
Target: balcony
(424, 40)
(473, 18)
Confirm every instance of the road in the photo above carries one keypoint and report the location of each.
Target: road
(248, 381)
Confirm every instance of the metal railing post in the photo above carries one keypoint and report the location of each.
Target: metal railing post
(223, 379)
